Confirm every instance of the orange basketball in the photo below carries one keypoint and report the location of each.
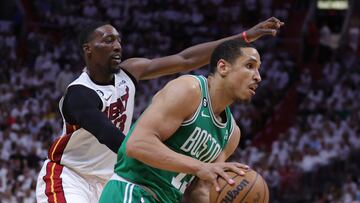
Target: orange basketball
(249, 188)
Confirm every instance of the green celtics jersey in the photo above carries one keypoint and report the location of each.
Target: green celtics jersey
(201, 137)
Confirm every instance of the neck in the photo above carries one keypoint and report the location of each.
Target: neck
(99, 76)
(218, 95)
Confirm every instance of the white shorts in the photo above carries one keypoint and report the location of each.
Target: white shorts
(57, 183)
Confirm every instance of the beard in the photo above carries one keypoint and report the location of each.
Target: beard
(242, 97)
(114, 67)
(115, 70)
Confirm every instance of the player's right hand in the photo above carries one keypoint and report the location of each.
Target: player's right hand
(211, 171)
(267, 27)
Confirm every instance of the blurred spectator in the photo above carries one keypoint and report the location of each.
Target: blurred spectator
(64, 79)
(272, 178)
(324, 44)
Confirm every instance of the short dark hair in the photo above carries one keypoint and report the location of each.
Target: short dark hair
(85, 32)
(229, 50)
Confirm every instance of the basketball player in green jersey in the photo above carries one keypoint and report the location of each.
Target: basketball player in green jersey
(187, 131)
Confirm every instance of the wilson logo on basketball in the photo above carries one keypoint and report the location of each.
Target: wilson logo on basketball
(232, 194)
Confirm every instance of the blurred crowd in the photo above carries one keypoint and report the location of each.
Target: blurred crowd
(326, 129)
(37, 66)
(316, 159)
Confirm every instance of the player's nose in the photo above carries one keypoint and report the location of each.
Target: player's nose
(117, 46)
(257, 76)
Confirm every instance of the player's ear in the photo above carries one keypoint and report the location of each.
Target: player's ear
(223, 67)
(86, 48)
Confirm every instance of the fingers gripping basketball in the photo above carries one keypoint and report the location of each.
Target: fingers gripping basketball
(249, 188)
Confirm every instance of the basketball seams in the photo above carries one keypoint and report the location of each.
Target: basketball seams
(250, 187)
(219, 195)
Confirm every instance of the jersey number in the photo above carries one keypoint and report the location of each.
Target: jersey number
(120, 122)
(179, 183)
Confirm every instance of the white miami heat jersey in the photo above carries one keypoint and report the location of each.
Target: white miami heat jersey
(77, 148)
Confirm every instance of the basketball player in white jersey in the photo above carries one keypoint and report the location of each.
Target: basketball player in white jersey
(97, 110)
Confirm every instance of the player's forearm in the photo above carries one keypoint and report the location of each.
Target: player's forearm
(199, 55)
(154, 153)
(102, 128)
(189, 59)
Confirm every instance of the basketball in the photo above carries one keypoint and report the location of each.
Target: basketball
(249, 188)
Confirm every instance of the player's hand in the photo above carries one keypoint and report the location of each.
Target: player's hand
(210, 172)
(267, 27)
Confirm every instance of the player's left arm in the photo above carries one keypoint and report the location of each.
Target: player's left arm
(201, 189)
(231, 145)
(195, 56)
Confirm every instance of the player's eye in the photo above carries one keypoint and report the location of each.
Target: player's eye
(108, 39)
(249, 66)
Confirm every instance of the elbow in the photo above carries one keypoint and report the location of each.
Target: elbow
(132, 150)
(138, 149)
(189, 65)
(186, 63)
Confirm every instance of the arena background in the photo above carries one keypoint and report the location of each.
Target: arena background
(301, 132)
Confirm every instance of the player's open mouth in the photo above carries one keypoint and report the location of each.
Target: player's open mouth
(252, 88)
(116, 57)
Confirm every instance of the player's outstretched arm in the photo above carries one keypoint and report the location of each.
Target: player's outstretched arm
(195, 56)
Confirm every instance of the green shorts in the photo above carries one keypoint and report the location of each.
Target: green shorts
(118, 191)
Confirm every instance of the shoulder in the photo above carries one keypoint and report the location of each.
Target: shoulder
(80, 89)
(186, 82)
(83, 79)
(83, 94)
(77, 100)
(134, 66)
(179, 97)
(187, 87)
